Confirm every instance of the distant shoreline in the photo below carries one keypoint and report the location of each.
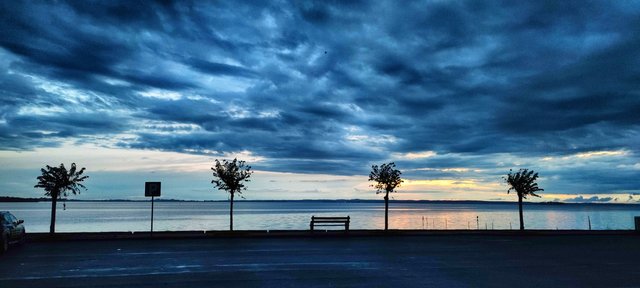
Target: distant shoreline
(6, 199)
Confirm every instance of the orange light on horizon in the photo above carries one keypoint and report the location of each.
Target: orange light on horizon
(458, 183)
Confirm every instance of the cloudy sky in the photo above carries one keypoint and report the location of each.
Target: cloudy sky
(311, 94)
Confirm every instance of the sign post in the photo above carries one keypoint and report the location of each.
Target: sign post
(152, 189)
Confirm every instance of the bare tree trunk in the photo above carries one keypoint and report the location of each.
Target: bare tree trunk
(521, 217)
(54, 201)
(386, 211)
(231, 213)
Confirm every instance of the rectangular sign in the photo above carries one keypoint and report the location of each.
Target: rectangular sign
(152, 189)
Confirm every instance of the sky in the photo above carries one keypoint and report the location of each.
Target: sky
(311, 94)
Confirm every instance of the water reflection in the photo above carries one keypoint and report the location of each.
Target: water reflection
(135, 216)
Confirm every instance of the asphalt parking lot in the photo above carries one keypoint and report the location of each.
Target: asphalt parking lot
(397, 261)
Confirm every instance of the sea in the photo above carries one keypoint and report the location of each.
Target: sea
(99, 216)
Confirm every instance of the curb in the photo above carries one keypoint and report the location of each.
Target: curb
(76, 236)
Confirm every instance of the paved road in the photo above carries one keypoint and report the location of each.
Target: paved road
(419, 261)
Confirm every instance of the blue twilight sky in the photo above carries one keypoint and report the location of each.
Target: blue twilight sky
(312, 94)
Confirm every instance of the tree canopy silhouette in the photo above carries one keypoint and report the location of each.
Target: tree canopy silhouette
(524, 183)
(231, 177)
(58, 182)
(387, 179)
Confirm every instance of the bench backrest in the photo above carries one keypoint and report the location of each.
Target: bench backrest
(328, 219)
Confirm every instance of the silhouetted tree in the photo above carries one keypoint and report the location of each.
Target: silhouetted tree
(387, 179)
(524, 183)
(230, 176)
(58, 182)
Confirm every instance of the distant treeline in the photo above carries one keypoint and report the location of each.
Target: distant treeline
(20, 199)
(42, 199)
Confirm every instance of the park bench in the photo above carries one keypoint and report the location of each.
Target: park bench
(330, 221)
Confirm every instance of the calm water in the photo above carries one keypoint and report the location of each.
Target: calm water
(135, 216)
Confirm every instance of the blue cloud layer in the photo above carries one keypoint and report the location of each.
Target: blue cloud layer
(330, 87)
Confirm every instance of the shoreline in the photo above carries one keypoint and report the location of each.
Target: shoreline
(81, 236)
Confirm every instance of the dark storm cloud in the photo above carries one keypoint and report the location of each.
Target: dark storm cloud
(329, 86)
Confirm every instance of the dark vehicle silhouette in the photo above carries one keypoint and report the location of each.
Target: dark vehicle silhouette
(13, 231)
